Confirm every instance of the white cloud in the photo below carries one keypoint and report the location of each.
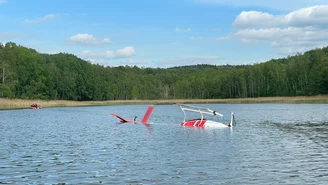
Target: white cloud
(197, 38)
(133, 62)
(316, 16)
(297, 31)
(40, 19)
(112, 58)
(273, 4)
(122, 62)
(177, 29)
(312, 16)
(256, 19)
(87, 39)
(190, 60)
(200, 38)
(126, 52)
(2, 1)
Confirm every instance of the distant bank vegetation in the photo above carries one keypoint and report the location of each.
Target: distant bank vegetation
(27, 74)
(23, 104)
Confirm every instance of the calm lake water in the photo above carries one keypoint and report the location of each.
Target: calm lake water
(272, 144)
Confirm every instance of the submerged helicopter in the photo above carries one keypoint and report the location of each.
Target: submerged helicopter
(200, 122)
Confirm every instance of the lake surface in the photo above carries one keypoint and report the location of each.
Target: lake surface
(272, 144)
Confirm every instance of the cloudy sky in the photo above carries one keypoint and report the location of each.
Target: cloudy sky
(166, 33)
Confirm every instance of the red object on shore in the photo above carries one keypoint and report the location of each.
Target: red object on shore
(35, 106)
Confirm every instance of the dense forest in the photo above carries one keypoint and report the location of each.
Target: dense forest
(28, 74)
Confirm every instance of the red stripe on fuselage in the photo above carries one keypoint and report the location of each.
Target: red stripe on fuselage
(194, 123)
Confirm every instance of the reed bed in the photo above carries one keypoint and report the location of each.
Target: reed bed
(22, 104)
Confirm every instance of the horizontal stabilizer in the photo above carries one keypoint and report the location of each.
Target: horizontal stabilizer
(122, 120)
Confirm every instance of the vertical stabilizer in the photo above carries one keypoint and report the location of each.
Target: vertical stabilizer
(147, 114)
(232, 120)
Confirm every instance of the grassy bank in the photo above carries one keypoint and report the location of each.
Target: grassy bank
(21, 104)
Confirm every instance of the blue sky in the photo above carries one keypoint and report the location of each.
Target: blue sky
(167, 33)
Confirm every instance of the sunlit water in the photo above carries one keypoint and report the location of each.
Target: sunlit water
(272, 144)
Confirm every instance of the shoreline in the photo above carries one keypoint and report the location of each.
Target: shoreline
(8, 104)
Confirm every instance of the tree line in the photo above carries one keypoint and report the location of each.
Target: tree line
(28, 74)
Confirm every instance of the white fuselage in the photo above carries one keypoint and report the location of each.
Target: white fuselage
(214, 124)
